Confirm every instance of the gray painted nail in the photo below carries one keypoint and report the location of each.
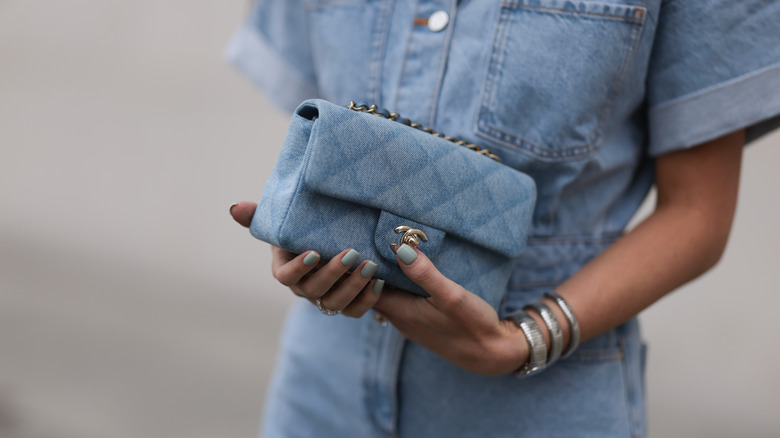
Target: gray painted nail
(368, 270)
(311, 258)
(407, 254)
(378, 285)
(350, 258)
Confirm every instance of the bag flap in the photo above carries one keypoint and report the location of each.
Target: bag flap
(367, 159)
(385, 235)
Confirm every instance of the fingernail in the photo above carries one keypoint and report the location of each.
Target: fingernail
(407, 254)
(350, 257)
(378, 285)
(368, 270)
(311, 258)
(231, 208)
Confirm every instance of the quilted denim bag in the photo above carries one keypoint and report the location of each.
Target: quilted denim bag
(347, 178)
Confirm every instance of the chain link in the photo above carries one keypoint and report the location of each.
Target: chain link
(381, 112)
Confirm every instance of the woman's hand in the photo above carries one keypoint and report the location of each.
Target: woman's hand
(352, 294)
(453, 322)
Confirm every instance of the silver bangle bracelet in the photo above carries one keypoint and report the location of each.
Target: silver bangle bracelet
(553, 328)
(538, 349)
(574, 325)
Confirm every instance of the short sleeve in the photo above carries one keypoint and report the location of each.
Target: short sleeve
(272, 48)
(714, 69)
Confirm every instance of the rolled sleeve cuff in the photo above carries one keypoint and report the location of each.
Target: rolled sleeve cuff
(284, 86)
(749, 101)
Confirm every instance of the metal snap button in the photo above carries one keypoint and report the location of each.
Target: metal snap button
(438, 21)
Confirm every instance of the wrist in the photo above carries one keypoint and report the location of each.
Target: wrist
(515, 348)
(556, 310)
(537, 349)
(540, 322)
(543, 332)
(565, 327)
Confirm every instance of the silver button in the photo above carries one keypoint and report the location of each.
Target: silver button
(438, 21)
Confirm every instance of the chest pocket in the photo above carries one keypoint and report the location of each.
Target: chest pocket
(554, 72)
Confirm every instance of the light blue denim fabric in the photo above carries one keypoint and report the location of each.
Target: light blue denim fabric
(474, 211)
(579, 95)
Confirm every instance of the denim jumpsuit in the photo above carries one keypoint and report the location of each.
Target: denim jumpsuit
(582, 96)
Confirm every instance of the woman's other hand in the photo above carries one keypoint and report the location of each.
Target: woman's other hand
(453, 322)
(351, 294)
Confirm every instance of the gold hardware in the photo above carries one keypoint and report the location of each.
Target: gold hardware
(394, 116)
(411, 236)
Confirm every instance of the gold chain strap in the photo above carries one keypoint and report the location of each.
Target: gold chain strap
(373, 109)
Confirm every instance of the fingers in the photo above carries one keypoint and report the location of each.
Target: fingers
(398, 304)
(242, 212)
(340, 296)
(365, 299)
(419, 268)
(289, 268)
(318, 284)
(352, 293)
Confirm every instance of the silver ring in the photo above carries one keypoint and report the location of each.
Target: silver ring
(325, 310)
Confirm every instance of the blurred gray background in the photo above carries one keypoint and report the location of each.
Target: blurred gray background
(132, 306)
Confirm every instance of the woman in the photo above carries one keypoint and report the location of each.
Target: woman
(597, 102)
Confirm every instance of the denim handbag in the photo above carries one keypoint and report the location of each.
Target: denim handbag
(346, 178)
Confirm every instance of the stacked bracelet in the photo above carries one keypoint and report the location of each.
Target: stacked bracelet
(538, 349)
(540, 356)
(553, 328)
(574, 326)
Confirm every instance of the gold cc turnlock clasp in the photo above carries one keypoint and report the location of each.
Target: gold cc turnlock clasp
(411, 236)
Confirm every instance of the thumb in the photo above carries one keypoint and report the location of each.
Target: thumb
(243, 211)
(419, 268)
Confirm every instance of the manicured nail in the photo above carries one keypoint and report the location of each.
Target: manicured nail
(231, 208)
(378, 285)
(368, 270)
(350, 258)
(407, 254)
(311, 258)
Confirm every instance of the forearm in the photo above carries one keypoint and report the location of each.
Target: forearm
(680, 240)
(667, 250)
